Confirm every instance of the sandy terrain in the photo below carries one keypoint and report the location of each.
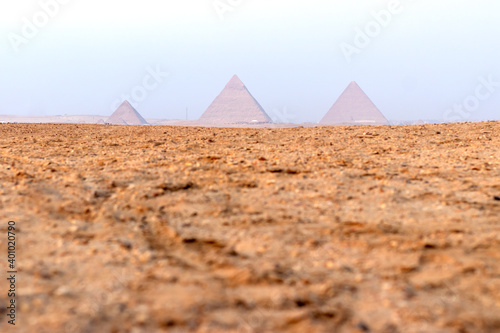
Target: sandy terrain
(172, 229)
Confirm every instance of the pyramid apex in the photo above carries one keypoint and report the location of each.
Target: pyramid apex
(126, 103)
(235, 83)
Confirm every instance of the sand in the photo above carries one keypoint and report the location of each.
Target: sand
(185, 229)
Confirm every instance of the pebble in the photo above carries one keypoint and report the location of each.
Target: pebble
(63, 291)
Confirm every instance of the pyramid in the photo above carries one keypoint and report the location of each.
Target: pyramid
(235, 105)
(354, 108)
(126, 115)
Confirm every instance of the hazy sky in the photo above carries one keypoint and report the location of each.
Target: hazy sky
(425, 60)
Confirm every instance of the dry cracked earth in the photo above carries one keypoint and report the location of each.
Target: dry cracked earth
(327, 229)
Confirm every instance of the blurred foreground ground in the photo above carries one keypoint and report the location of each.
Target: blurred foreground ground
(172, 229)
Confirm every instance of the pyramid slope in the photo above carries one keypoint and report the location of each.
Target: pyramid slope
(235, 105)
(354, 107)
(126, 115)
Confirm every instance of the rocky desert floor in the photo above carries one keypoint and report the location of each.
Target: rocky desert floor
(327, 229)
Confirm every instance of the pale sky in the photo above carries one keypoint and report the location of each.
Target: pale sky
(436, 60)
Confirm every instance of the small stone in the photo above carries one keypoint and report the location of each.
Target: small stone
(43, 274)
(363, 327)
(63, 291)
(141, 315)
(73, 228)
(145, 257)
(125, 243)
(102, 194)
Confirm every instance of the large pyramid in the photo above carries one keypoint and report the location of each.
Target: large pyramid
(235, 105)
(126, 115)
(354, 108)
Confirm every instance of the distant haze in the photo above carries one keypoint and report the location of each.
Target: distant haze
(415, 59)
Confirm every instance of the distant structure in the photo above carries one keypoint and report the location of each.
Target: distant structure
(126, 115)
(235, 105)
(354, 108)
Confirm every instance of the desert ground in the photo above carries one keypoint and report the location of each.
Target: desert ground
(187, 229)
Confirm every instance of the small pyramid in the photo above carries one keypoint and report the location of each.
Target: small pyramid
(235, 105)
(354, 107)
(126, 115)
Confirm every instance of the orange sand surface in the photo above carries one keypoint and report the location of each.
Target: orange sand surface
(187, 229)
